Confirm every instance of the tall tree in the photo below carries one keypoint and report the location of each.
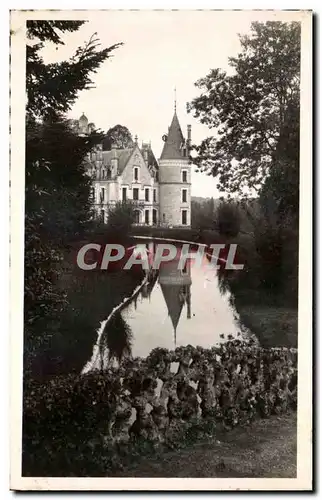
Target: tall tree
(119, 137)
(57, 187)
(253, 112)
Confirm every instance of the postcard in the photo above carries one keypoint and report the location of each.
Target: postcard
(161, 233)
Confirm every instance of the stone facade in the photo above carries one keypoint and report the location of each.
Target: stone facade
(161, 190)
(175, 194)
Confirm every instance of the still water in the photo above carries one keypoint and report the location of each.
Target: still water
(175, 308)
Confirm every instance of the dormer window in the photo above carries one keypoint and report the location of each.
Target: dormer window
(136, 174)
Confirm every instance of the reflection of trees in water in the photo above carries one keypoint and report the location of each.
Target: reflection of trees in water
(226, 283)
(116, 340)
(222, 276)
(148, 287)
(223, 280)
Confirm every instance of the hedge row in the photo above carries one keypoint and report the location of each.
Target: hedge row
(80, 425)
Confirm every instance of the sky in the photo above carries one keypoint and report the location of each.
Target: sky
(161, 50)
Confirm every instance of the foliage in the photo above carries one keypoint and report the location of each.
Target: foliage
(118, 137)
(55, 171)
(228, 218)
(53, 88)
(237, 382)
(253, 110)
(117, 338)
(120, 219)
(270, 258)
(57, 208)
(203, 214)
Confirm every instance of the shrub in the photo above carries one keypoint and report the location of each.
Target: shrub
(84, 424)
(228, 218)
(120, 220)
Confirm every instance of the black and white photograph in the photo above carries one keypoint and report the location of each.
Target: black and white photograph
(161, 297)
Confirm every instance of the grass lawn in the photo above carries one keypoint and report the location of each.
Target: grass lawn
(91, 297)
(266, 448)
(273, 326)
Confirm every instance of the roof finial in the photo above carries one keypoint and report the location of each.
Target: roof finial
(175, 99)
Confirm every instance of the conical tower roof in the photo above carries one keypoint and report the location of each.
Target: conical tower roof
(173, 299)
(83, 118)
(172, 149)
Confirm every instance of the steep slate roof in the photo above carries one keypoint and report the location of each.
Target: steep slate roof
(151, 158)
(172, 146)
(123, 156)
(83, 118)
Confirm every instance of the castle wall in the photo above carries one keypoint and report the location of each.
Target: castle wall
(171, 186)
(145, 181)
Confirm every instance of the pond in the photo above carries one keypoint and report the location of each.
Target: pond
(174, 308)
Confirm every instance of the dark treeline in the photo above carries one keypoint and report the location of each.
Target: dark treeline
(58, 211)
(254, 112)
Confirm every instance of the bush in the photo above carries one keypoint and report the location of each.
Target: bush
(120, 220)
(69, 417)
(228, 218)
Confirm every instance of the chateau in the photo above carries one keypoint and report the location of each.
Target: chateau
(161, 189)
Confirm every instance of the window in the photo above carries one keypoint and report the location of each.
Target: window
(92, 194)
(147, 194)
(146, 216)
(184, 196)
(184, 176)
(136, 173)
(136, 216)
(154, 195)
(123, 194)
(102, 215)
(135, 193)
(102, 197)
(184, 217)
(154, 216)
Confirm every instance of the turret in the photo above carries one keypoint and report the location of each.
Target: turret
(83, 124)
(114, 162)
(175, 176)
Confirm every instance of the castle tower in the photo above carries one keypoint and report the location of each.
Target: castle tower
(83, 125)
(175, 176)
(175, 286)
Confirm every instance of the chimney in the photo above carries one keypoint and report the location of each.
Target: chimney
(189, 136)
(114, 162)
(145, 156)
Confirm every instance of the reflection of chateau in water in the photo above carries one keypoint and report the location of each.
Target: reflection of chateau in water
(161, 315)
(176, 289)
